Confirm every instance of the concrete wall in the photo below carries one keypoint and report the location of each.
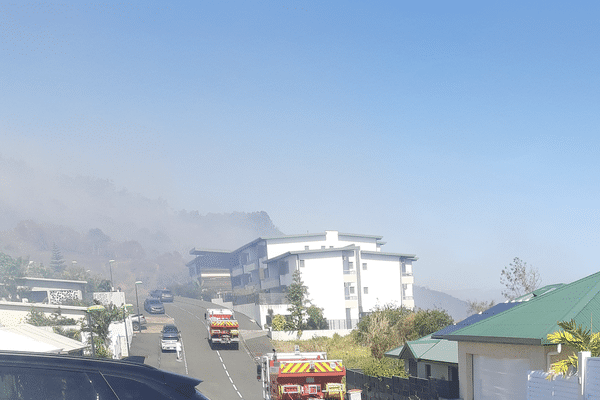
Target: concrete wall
(306, 335)
(12, 313)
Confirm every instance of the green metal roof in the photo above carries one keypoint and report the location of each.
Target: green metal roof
(429, 349)
(531, 321)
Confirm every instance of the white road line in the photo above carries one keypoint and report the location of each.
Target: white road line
(218, 353)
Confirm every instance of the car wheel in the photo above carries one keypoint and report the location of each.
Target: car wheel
(136, 326)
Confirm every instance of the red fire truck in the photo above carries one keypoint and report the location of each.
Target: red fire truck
(222, 327)
(301, 376)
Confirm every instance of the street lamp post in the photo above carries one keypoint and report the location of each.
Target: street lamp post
(125, 307)
(110, 262)
(138, 302)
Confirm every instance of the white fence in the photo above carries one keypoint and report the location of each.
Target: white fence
(584, 385)
(559, 388)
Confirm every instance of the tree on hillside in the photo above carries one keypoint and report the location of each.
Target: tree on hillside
(297, 296)
(475, 307)
(57, 262)
(396, 316)
(316, 320)
(391, 326)
(576, 338)
(429, 321)
(519, 279)
(10, 269)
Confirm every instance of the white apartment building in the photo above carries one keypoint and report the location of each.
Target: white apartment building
(346, 274)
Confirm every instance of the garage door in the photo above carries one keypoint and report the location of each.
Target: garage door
(499, 378)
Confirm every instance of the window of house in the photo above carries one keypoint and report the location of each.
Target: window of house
(427, 370)
(351, 289)
(305, 247)
(364, 266)
(301, 263)
(350, 265)
(322, 247)
(366, 290)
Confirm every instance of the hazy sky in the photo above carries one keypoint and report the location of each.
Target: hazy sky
(463, 132)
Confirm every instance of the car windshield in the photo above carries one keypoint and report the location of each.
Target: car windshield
(169, 328)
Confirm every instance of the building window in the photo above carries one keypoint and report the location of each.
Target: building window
(351, 289)
(266, 273)
(322, 247)
(301, 263)
(364, 266)
(427, 370)
(350, 265)
(366, 290)
(305, 247)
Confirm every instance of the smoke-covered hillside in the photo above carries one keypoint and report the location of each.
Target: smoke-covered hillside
(93, 221)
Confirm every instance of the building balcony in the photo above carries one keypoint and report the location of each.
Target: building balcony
(250, 267)
(351, 297)
(349, 277)
(408, 279)
(351, 303)
(269, 283)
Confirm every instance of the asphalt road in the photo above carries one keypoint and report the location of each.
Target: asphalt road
(226, 373)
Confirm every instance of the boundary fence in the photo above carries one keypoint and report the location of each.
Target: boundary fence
(397, 388)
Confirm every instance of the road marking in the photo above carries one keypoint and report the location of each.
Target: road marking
(218, 354)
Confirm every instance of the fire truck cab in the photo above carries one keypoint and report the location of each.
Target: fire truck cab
(222, 327)
(300, 376)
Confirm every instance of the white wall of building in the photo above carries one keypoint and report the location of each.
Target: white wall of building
(323, 275)
(380, 281)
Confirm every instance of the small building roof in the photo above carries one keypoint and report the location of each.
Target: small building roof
(25, 337)
(427, 349)
(536, 316)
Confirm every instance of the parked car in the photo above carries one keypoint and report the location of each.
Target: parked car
(30, 376)
(165, 295)
(137, 320)
(154, 306)
(169, 337)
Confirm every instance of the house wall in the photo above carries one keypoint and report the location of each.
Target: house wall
(438, 370)
(536, 356)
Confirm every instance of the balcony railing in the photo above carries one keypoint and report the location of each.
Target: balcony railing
(342, 323)
(349, 272)
(351, 297)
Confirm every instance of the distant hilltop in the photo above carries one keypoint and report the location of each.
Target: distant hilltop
(430, 299)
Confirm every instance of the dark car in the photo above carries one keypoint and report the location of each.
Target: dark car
(169, 337)
(154, 306)
(165, 295)
(33, 376)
